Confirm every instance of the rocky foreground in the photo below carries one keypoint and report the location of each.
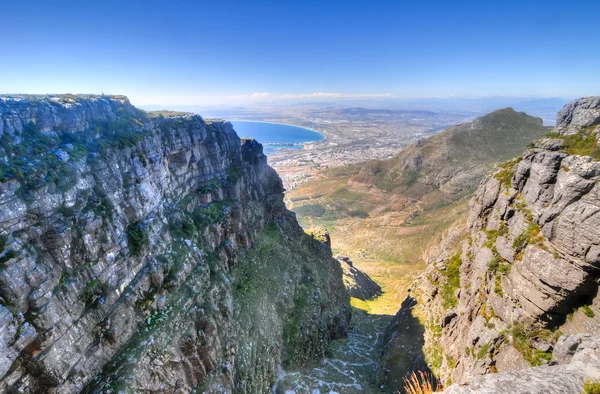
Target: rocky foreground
(516, 286)
(150, 252)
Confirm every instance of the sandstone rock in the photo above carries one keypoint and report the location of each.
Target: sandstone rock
(579, 361)
(528, 272)
(579, 113)
(133, 269)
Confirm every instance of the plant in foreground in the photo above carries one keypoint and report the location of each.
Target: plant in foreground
(421, 382)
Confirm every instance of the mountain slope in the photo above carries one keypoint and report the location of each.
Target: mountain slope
(515, 285)
(455, 160)
(384, 214)
(150, 252)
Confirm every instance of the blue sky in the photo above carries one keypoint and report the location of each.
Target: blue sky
(219, 51)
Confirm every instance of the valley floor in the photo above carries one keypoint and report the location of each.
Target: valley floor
(387, 243)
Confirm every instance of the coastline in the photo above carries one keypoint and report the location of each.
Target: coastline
(321, 133)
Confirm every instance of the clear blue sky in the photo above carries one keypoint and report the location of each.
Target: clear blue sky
(198, 52)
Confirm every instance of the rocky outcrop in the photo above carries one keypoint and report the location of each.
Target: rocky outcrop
(359, 284)
(576, 361)
(499, 293)
(150, 252)
(577, 114)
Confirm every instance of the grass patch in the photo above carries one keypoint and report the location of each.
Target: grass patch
(521, 338)
(452, 283)
(93, 294)
(582, 143)
(590, 387)
(506, 172)
(315, 210)
(483, 351)
(532, 235)
(588, 311)
(137, 238)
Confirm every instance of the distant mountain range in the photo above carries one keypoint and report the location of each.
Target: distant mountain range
(545, 108)
(457, 158)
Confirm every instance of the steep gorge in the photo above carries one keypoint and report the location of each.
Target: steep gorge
(150, 252)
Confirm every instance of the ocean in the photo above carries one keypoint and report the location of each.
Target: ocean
(275, 136)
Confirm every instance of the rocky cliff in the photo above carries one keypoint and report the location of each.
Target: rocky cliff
(150, 252)
(515, 284)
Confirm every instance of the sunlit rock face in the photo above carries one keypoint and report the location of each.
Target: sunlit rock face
(150, 252)
(515, 285)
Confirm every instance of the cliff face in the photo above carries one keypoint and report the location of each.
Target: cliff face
(509, 288)
(145, 252)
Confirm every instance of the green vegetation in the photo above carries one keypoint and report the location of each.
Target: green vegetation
(93, 294)
(498, 285)
(532, 235)
(3, 242)
(209, 186)
(582, 143)
(100, 204)
(492, 235)
(310, 210)
(521, 337)
(498, 264)
(211, 214)
(591, 387)
(506, 173)
(10, 254)
(41, 158)
(452, 283)
(588, 311)
(137, 237)
(166, 114)
(483, 351)
(292, 329)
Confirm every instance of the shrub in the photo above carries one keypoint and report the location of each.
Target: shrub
(3, 242)
(93, 294)
(234, 173)
(588, 311)
(590, 387)
(10, 254)
(521, 336)
(452, 274)
(214, 213)
(137, 238)
(483, 351)
(532, 235)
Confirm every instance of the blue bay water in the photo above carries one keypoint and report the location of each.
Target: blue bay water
(275, 136)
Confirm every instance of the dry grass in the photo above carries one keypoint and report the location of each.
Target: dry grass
(388, 246)
(421, 382)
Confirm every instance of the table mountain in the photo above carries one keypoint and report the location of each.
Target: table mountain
(150, 252)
